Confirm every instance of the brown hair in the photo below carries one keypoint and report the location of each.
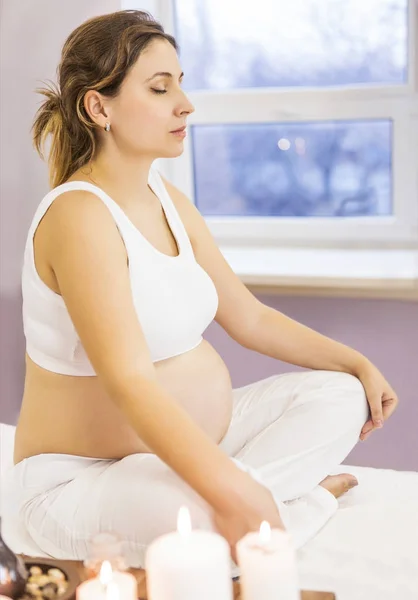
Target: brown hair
(97, 55)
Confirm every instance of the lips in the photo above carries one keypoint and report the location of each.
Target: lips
(179, 130)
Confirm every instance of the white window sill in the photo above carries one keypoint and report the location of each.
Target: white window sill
(325, 272)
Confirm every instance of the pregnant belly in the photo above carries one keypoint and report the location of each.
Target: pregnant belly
(199, 380)
(74, 415)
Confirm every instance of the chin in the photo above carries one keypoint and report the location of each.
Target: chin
(172, 152)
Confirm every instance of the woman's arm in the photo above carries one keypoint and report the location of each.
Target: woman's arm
(281, 337)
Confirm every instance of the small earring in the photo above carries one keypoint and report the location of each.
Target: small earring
(107, 127)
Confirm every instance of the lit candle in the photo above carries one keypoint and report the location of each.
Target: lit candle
(188, 565)
(267, 564)
(112, 591)
(109, 585)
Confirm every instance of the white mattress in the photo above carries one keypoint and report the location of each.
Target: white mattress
(369, 548)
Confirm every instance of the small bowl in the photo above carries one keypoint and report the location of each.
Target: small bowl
(70, 573)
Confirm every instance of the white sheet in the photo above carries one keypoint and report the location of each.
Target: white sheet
(369, 548)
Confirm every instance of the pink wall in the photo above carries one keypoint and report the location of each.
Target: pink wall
(32, 34)
(386, 331)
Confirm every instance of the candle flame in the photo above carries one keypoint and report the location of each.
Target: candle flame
(112, 591)
(184, 523)
(265, 532)
(106, 573)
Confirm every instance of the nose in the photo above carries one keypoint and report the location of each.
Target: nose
(185, 107)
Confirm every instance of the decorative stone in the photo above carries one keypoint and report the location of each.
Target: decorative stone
(35, 571)
(56, 574)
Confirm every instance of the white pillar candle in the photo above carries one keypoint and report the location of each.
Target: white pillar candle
(267, 564)
(189, 565)
(108, 586)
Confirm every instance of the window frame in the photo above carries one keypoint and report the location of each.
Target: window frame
(265, 105)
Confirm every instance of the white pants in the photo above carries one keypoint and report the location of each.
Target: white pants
(287, 431)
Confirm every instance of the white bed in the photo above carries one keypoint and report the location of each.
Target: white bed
(367, 551)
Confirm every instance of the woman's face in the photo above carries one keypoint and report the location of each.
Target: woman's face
(151, 105)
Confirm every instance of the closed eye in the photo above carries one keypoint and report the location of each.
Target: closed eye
(159, 91)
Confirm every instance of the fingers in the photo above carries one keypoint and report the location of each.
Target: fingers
(368, 426)
(363, 437)
(365, 434)
(382, 407)
(377, 414)
(389, 407)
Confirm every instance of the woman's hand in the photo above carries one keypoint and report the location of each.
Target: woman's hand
(257, 504)
(380, 396)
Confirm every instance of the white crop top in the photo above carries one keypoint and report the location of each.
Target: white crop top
(175, 299)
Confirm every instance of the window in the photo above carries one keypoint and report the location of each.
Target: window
(312, 169)
(306, 122)
(302, 43)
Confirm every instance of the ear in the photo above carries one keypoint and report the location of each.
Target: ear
(95, 107)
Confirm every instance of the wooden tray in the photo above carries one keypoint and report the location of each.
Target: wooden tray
(76, 573)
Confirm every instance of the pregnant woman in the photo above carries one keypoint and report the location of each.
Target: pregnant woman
(128, 413)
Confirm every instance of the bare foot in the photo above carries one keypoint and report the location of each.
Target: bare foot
(339, 484)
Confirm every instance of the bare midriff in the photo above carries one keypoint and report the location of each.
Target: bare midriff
(74, 415)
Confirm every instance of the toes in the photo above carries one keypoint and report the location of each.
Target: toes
(349, 481)
(352, 482)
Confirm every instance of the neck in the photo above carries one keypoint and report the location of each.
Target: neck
(125, 179)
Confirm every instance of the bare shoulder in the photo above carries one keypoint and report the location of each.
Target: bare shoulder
(78, 213)
(81, 211)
